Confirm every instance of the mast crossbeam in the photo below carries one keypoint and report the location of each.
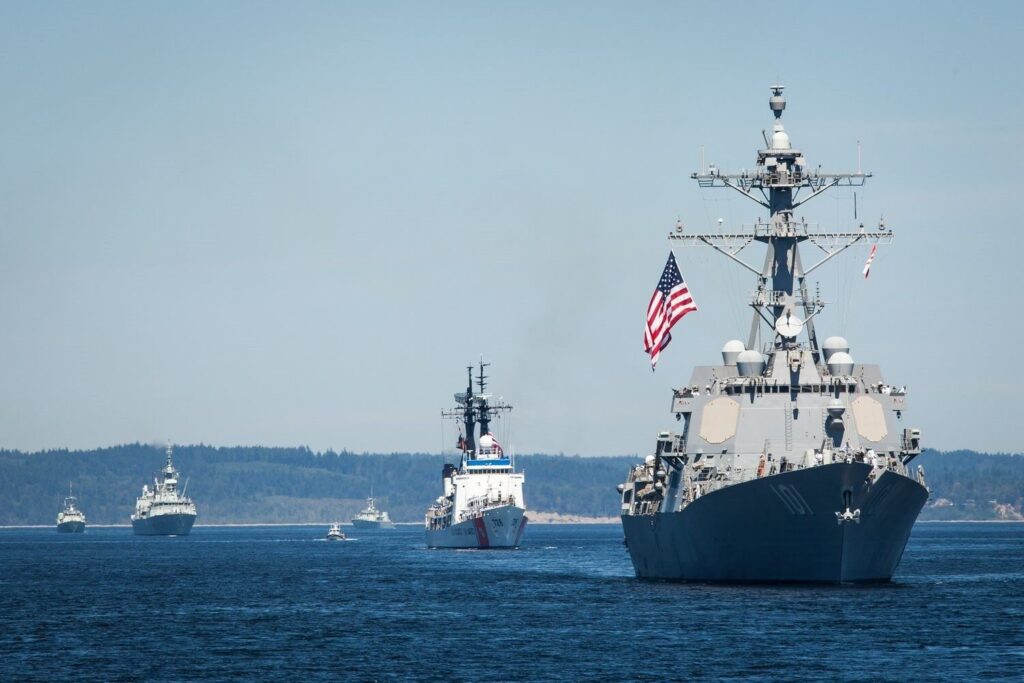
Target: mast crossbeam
(734, 242)
(765, 180)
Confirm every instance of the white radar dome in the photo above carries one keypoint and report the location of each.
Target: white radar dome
(840, 363)
(750, 363)
(834, 344)
(780, 139)
(731, 351)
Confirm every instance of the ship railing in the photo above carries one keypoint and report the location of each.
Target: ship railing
(647, 506)
(880, 461)
(435, 522)
(475, 505)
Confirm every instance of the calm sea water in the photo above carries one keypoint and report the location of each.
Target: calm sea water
(274, 603)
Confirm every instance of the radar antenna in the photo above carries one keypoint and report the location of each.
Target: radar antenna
(475, 407)
(777, 182)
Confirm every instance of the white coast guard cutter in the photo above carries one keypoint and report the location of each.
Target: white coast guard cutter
(482, 504)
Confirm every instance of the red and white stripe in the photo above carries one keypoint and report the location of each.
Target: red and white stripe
(662, 313)
(871, 258)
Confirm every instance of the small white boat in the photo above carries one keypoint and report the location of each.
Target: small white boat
(335, 533)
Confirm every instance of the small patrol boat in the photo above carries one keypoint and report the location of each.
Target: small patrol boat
(335, 533)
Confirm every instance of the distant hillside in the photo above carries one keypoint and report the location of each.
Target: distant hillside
(249, 485)
(252, 485)
(969, 485)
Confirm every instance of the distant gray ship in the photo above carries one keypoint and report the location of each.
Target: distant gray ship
(70, 520)
(163, 510)
(791, 464)
(372, 518)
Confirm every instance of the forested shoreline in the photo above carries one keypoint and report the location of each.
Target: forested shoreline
(295, 485)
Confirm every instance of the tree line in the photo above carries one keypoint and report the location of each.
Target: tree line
(294, 485)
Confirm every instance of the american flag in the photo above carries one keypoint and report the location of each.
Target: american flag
(871, 257)
(669, 303)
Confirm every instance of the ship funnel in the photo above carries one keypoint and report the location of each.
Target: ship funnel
(840, 363)
(447, 472)
(731, 351)
(834, 345)
(750, 363)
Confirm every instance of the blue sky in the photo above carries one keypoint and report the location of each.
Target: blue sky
(270, 223)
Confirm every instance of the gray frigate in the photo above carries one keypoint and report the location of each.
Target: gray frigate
(164, 510)
(70, 520)
(792, 461)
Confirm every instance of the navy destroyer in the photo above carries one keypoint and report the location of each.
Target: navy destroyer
(70, 520)
(792, 463)
(482, 504)
(163, 510)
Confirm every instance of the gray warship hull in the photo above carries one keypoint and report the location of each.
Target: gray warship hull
(366, 524)
(164, 525)
(782, 528)
(71, 527)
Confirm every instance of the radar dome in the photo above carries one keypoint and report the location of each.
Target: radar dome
(834, 344)
(780, 139)
(840, 363)
(731, 351)
(750, 363)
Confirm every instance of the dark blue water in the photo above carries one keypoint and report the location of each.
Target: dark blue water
(282, 604)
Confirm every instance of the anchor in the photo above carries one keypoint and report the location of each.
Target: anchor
(848, 516)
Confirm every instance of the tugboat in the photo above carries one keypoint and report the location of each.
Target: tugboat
(335, 533)
(482, 504)
(792, 463)
(70, 520)
(372, 518)
(163, 510)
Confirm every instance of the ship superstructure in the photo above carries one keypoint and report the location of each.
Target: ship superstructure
(164, 510)
(372, 518)
(482, 503)
(70, 520)
(792, 460)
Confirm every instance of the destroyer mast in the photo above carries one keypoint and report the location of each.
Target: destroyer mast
(776, 184)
